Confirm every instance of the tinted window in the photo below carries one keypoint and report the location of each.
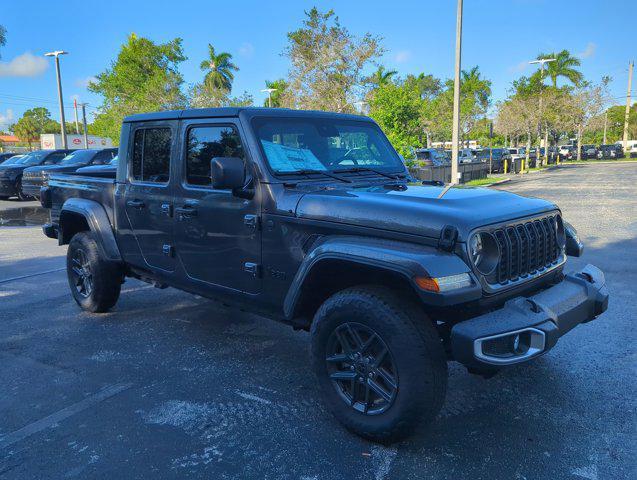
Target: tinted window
(55, 158)
(78, 157)
(151, 155)
(206, 143)
(104, 156)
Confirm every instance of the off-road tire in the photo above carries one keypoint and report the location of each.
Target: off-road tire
(415, 347)
(106, 276)
(18, 187)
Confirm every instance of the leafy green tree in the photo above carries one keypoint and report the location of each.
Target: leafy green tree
(42, 118)
(327, 63)
(382, 77)
(27, 130)
(398, 111)
(203, 97)
(278, 96)
(427, 86)
(144, 77)
(219, 70)
(564, 66)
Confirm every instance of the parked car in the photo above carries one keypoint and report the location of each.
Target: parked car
(467, 155)
(589, 151)
(258, 208)
(6, 156)
(11, 171)
(495, 157)
(107, 170)
(567, 152)
(610, 151)
(34, 178)
(432, 157)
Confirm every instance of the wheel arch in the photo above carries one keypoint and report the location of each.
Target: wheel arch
(337, 263)
(77, 215)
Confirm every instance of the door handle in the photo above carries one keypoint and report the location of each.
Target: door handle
(187, 211)
(135, 204)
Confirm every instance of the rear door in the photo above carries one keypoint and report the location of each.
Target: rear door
(217, 235)
(148, 192)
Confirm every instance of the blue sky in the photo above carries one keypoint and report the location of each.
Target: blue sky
(499, 36)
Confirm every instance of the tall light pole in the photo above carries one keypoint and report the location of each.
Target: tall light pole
(269, 91)
(542, 61)
(627, 115)
(85, 127)
(57, 54)
(456, 97)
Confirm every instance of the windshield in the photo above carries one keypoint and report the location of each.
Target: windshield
(33, 158)
(13, 160)
(295, 144)
(114, 161)
(78, 157)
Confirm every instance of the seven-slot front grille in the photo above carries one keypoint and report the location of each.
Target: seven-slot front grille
(526, 248)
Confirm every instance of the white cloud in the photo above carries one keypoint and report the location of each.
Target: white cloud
(402, 56)
(83, 82)
(25, 65)
(6, 119)
(246, 49)
(589, 51)
(520, 67)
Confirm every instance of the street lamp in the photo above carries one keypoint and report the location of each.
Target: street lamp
(361, 104)
(269, 92)
(57, 54)
(542, 61)
(456, 98)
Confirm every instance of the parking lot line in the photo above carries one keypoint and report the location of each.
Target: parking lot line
(12, 279)
(46, 422)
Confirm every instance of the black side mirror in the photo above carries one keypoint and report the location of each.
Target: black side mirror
(227, 173)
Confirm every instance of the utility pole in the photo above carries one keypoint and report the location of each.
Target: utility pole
(77, 126)
(542, 61)
(84, 122)
(57, 54)
(630, 84)
(456, 97)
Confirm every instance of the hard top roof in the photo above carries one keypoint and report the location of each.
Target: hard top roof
(236, 111)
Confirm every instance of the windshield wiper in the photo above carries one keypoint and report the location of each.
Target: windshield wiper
(367, 169)
(309, 171)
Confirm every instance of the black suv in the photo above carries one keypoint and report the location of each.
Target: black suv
(309, 218)
(11, 170)
(612, 152)
(495, 157)
(33, 178)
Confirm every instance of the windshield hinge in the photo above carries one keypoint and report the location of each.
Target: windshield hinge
(448, 238)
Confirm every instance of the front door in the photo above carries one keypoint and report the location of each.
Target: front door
(148, 194)
(217, 237)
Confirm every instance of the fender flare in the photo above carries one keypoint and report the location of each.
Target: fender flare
(407, 259)
(98, 222)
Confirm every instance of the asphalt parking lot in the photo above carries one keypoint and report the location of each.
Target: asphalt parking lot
(170, 385)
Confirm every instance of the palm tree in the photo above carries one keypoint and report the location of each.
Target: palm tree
(277, 96)
(474, 85)
(382, 77)
(563, 66)
(218, 68)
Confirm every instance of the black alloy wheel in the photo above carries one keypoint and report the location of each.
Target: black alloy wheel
(361, 368)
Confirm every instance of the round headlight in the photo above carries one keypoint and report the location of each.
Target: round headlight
(484, 252)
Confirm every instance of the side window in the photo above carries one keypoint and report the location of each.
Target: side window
(206, 143)
(151, 155)
(55, 157)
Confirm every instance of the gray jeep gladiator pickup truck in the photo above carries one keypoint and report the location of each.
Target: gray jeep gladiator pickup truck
(310, 218)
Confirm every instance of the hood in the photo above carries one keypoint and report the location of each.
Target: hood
(59, 168)
(418, 210)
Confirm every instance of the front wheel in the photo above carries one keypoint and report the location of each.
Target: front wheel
(19, 193)
(94, 281)
(379, 361)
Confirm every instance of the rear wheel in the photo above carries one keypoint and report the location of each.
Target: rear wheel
(379, 362)
(95, 282)
(18, 187)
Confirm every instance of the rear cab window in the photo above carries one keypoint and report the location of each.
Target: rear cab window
(152, 148)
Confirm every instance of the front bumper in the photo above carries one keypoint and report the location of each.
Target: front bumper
(527, 327)
(7, 188)
(31, 188)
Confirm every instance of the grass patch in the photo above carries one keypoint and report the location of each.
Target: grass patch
(483, 182)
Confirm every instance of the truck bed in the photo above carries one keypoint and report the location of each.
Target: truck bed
(65, 186)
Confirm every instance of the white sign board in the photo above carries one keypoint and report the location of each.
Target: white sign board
(53, 141)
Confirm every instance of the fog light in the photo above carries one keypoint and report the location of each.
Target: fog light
(510, 347)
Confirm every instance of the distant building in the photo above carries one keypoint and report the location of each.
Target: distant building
(9, 140)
